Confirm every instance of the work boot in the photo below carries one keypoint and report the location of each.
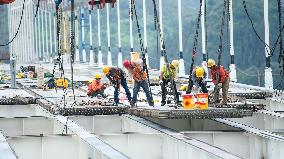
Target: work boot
(163, 103)
(115, 104)
(151, 103)
(132, 104)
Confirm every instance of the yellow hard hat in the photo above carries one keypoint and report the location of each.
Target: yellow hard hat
(211, 63)
(98, 76)
(175, 63)
(106, 70)
(199, 72)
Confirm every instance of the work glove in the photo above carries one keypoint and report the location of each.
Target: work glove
(160, 82)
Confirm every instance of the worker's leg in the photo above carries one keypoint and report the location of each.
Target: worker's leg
(145, 87)
(164, 91)
(216, 94)
(225, 88)
(189, 87)
(203, 87)
(176, 93)
(124, 85)
(116, 99)
(135, 91)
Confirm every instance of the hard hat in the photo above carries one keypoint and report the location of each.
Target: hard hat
(199, 72)
(139, 61)
(126, 64)
(106, 69)
(98, 76)
(211, 63)
(175, 63)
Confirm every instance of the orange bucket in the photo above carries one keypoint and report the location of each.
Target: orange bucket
(202, 100)
(188, 101)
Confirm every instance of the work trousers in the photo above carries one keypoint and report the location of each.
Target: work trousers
(145, 88)
(116, 89)
(164, 90)
(95, 93)
(200, 84)
(225, 88)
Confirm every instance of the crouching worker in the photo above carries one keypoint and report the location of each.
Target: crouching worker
(221, 79)
(96, 87)
(165, 78)
(198, 79)
(116, 76)
(140, 79)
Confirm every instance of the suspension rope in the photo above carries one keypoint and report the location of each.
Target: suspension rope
(19, 26)
(254, 30)
(145, 67)
(164, 53)
(194, 47)
(281, 54)
(72, 46)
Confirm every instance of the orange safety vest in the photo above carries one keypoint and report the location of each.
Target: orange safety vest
(138, 73)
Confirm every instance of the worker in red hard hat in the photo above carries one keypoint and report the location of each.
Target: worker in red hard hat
(135, 68)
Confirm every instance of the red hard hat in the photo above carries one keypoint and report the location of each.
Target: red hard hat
(126, 64)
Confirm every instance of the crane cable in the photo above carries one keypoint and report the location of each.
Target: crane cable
(194, 48)
(216, 88)
(145, 67)
(164, 53)
(19, 26)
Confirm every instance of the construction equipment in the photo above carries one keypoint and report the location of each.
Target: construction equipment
(62, 82)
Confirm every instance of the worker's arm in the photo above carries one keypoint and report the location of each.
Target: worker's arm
(222, 74)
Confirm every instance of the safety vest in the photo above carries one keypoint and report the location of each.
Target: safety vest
(138, 73)
(168, 73)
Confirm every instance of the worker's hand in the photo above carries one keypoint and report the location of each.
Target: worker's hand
(219, 85)
(160, 82)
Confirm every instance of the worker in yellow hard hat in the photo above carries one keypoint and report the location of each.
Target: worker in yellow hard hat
(221, 79)
(198, 79)
(117, 77)
(166, 76)
(96, 87)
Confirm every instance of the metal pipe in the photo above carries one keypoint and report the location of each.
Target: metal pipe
(130, 25)
(50, 37)
(92, 61)
(109, 60)
(55, 32)
(145, 32)
(233, 73)
(42, 37)
(46, 34)
(83, 35)
(39, 37)
(77, 54)
(119, 36)
(100, 57)
(181, 65)
(162, 59)
(36, 38)
(268, 71)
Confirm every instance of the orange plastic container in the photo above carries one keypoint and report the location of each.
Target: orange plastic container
(188, 101)
(202, 100)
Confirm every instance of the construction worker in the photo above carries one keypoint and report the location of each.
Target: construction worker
(198, 79)
(96, 87)
(165, 78)
(140, 79)
(221, 79)
(117, 76)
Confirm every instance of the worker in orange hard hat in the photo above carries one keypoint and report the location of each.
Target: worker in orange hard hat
(117, 76)
(135, 68)
(221, 79)
(96, 87)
